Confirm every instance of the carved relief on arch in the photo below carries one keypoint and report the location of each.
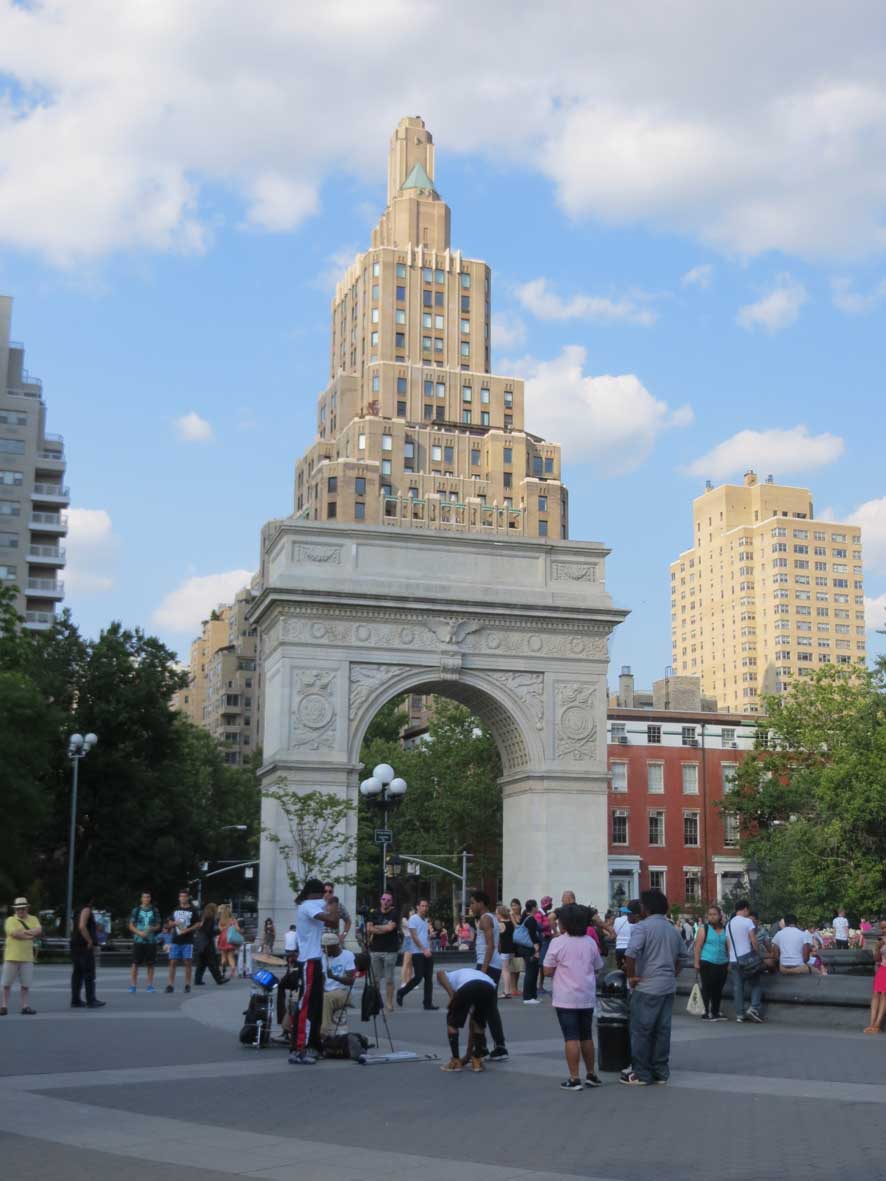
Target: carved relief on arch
(313, 719)
(365, 679)
(575, 726)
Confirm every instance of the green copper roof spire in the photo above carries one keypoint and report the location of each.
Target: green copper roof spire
(417, 179)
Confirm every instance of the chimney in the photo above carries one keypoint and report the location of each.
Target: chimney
(750, 477)
(626, 687)
(708, 486)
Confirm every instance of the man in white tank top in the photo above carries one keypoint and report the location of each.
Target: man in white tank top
(488, 959)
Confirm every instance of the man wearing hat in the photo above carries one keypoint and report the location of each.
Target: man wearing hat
(339, 971)
(21, 930)
(312, 915)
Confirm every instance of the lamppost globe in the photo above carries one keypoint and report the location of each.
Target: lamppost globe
(75, 741)
(397, 787)
(371, 787)
(90, 740)
(384, 773)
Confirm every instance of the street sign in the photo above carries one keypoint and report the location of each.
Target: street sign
(383, 836)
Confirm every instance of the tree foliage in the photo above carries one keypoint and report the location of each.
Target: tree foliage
(812, 798)
(318, 845)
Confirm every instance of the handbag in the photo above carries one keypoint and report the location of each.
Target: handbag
(234, 937)
(695, 1004)
(751, 963)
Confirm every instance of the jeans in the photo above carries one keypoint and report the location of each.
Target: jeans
(423, 967)
(651, 1035)
(545, 944)
(83, 973)
(493, 1019)
(738, 983)
(712, 977)
(530, 977)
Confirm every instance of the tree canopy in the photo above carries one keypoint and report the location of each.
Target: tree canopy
(812, 798)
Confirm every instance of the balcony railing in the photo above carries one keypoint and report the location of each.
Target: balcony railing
(39, 619)
(55, 490)
(52, 456)
(433, 513)
(53, 438)
(49, 522)
(53, 553)
(46, 586)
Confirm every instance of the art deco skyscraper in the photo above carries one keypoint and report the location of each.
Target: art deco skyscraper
(413, 429)
(766, 594)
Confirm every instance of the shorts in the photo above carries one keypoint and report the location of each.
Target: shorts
(577, 1024)
(517, 964)
(21, 970)
(879, 978)
(144, 953)
(476, 996)
(181, 951)
(384, 965)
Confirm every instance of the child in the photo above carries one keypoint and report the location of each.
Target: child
(878, 998)
(573, 960)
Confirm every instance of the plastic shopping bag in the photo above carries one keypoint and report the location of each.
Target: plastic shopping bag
(695, 1005)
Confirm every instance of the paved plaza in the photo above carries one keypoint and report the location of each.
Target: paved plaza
(158, 1087)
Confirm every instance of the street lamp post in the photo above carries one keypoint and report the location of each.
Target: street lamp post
(78, 748)
(204, 865)
(384, 790)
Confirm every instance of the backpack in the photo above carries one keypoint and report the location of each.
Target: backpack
(256, 1028)
(345, 1045)
(522, 938)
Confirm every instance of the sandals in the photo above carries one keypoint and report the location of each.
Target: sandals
(873, 1029)
(27, 1011)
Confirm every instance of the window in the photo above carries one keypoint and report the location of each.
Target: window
(436, 453)
(692, 885)
(360, 485)
(507, 455)
(376, 383)
(359, 510)
(542, 504)
(374, 316)
(619, 776)
(428, 412)
(401, 294)
(427, 275)
(427, 299)
(542, 528)
(653, 735)
(439, 277)
(409, 449)
(658, 879)
(465, 303)
(657, 828)
(655, 778)
(465, 327)
(465, 348)
(508, 479)
(441, 389)
(439, 322)
(465, 279)
(466, 393)
(332, 484)
(331, 511)
(401, 409)
(728, 735)
(385, 467)
(400, 340)
(509, 399)
(690, 779)
(387, 443)
(475, 457)
(448, 454)
(438, 299)
(731, 830)
(690, 830)
(439, 414)
(438, 345)
(11, 479)
(484, 396)
(549, 465)
(484, 418)
(375, 268)
(620, 827)
(466, 416)
(401, 270)
(688, 736)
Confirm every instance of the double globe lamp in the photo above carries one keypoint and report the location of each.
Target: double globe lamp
(385, 790)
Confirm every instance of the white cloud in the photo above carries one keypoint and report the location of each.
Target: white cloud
(875, 612)
(610, 421)
(124, 122)
(850, 302)
(183, 609)
(334, 268)
(191, 428)
(92, 549)
(536, 297)
(871, 519)
(775, 310)
(508, 331)
(700, 276)
(777, 450)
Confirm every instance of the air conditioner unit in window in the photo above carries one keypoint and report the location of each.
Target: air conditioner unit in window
(692, 742)
(623, 740)
(732, 745)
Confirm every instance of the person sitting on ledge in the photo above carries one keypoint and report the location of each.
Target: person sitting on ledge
(792, 948)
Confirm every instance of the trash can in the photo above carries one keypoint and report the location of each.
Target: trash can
(613, 1023)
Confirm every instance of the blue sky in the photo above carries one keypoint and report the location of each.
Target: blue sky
(674, 263)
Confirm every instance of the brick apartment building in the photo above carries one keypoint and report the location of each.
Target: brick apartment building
(672, 757)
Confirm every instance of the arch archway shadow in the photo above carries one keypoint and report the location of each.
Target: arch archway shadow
(350, 618)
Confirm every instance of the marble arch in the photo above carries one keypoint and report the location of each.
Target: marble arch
(516, 630)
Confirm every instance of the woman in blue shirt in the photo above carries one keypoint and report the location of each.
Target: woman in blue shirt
(712, 962)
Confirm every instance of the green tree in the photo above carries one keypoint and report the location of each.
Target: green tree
(812, 798)
(317, 844)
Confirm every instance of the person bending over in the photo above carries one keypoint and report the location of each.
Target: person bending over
(471, 994)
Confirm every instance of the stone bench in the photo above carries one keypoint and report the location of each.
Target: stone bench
(840, 992)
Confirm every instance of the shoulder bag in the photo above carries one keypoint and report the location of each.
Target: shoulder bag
(750, 964)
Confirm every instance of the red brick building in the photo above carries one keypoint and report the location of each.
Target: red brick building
(669, 768)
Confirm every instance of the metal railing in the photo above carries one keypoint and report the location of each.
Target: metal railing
(433, 513)
(56, 552)
(50, 585)
(53, 456)
(52, 490)
(53, 438)
(40, 618)
(56, 520)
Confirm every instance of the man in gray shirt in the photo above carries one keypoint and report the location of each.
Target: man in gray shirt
(652, 961)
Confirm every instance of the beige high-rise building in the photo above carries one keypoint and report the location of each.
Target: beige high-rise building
(32, 489)
(223, 695)
(767, 593)
(413, 428)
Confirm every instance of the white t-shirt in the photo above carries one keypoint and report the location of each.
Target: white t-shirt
(309, 929)
(790, 942)
(339, 965)
(841, 928)
(738, 937)
(290, 941)
(419, 926)
(622, 928)
(462, 976)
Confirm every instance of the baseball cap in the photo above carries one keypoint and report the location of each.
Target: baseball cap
(328, 938)
(19, 902)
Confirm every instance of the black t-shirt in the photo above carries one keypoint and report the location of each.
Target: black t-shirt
(390, 940)
(78, 943)
(183, 917)
(506, 938)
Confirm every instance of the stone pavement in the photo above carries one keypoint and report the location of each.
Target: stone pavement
(159, 1087)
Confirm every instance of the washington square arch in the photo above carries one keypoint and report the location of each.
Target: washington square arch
(428, 554)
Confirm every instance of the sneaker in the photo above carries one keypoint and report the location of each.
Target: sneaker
(719, 1017)
(399, 998)
(131, 988)
(593, 1080)
(95, 1004)
(4, 1011)
(477, 1065)
(753, 1015)
(150, 988)
(169, 988)
(27, 1011)
(629, 1079)
(739, 1019)
(431, 1008)
(660, 1082)
(77, 1005)
(301, 1059)
(532, 1002)
(706, 1017)
(571, 1084)
(453, 1065)
(498, 1054)
(187, 988)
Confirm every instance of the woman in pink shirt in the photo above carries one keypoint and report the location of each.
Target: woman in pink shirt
(573, 960)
